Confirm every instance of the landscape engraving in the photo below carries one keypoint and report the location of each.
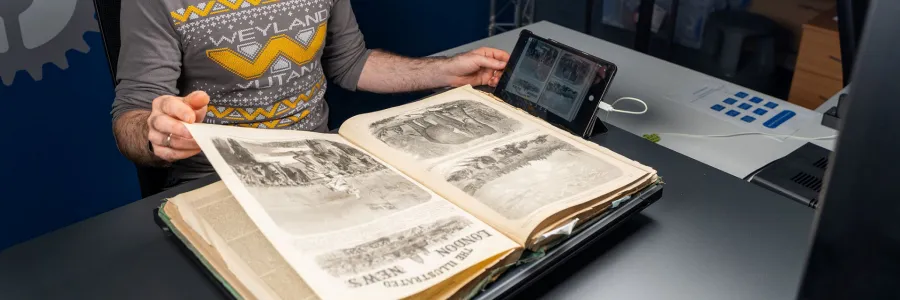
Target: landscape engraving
(443, 129)
(573, 70)
(409, 244)
(316, 185)
(520, 177)
(559, 99)
(562, 94)
(533, 69)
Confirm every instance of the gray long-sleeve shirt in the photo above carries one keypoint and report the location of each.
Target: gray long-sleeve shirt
(263, 62)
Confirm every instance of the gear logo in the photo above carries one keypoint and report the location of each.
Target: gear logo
(35, 32)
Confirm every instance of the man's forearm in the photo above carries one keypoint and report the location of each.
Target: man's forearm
(390, 73)
(131, 130)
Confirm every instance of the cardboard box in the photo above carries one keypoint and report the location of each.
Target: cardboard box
(791, 14)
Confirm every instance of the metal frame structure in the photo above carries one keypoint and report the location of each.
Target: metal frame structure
(522, 14)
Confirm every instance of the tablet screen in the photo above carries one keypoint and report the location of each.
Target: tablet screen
(553, 78)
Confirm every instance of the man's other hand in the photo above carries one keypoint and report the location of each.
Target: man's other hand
(166, 119)
(482, 66)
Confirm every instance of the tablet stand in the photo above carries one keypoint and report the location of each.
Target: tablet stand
(599, 127)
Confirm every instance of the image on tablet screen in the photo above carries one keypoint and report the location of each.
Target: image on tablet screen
(564, 91)
(533, 69)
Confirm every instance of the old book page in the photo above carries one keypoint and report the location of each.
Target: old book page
(349, 224)
(224, 230)
(501, 165)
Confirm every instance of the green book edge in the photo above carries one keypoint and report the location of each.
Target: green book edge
(184, 241)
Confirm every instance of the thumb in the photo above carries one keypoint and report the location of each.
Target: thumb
(490, 63)
(198, 101)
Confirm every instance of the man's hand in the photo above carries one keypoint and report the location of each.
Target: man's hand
(170, 138)
(481, 66)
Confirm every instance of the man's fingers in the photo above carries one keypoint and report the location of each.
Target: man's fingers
(172, 155)
(486, 62)
(176, 142)
(166, 124)
(485, 78)
(197, 100)
(200, 114)
(494, 80)
(176, 108)
(494, 53)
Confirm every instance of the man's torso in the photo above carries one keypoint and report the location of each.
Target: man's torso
(259, 61)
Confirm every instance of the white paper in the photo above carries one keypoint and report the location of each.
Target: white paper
(752, 106)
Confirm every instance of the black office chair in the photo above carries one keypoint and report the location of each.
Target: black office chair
(151, 180)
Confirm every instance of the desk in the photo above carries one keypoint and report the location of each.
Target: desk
(652, 80)
(712, 236)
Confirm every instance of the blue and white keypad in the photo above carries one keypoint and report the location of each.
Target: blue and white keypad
(751, 110)
(780, 118)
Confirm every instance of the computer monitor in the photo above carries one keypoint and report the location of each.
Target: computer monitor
(855, 249)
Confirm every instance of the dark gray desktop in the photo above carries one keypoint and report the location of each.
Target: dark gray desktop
(712, 236)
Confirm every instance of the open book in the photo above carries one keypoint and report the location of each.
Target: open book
(425, 200)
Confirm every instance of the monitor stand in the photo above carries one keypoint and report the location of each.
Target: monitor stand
(798, 175)
(832, 117)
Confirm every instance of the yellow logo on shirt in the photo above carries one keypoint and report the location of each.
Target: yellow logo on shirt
(279, 45)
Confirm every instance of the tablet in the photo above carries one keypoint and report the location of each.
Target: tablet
(555, 82)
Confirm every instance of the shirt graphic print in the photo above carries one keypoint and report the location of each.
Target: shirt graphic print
(271, 50)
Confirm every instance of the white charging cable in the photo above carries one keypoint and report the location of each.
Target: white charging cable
(610, 107)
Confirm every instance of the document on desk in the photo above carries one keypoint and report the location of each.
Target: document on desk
(743, 107)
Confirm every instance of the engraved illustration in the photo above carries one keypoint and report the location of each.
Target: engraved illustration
(409, 244)
(520, 177)
(559, 98)
(538, 60)
(573, 69)
(532, 70)
(313, 186)
(444, 128)
(526, 89)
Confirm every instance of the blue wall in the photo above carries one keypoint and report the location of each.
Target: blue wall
(60, 163)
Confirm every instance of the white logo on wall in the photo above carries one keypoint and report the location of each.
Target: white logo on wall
(35, 32)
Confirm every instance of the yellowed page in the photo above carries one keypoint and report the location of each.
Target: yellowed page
(350, 225)
(501, 165)
(214, 215)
